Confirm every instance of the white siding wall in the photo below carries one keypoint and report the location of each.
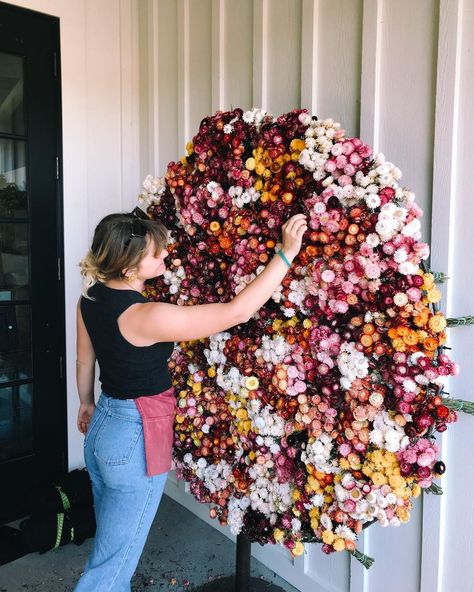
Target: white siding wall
(137, 78)
(453, 223)
(400, 75)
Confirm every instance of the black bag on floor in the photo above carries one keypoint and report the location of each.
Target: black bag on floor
(43, 532)
(61, 512)
(68, 491)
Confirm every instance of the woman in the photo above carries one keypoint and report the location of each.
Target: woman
(129, 433)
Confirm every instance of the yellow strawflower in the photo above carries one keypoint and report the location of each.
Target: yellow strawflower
(278, 535)
(328, 537)
(339, 544)
(298, 549)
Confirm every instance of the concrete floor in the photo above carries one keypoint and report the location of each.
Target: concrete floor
(182, 552)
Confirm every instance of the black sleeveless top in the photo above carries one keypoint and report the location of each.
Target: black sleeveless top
(126, 371)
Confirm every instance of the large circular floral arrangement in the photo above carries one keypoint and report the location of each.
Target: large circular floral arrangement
(317, 417)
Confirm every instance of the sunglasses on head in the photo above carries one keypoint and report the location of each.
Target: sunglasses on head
(138, 228)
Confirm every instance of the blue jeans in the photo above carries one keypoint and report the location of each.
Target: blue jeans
(125, 499)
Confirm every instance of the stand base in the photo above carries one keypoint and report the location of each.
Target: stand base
(228, 585)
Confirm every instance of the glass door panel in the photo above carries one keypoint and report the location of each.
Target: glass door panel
(15, 343)
(16, 388)
(14, 261)
(12, 119)
(16, 421)
(13, 195)
(13, 162)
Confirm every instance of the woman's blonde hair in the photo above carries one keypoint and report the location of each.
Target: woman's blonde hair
(115, 249)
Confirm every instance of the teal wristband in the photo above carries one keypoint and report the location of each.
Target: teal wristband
(283, 256)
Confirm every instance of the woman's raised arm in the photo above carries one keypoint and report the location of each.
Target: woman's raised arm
(169, 322)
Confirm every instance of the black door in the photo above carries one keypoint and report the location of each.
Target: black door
(32, 382)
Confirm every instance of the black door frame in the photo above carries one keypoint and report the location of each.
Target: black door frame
(35, 37)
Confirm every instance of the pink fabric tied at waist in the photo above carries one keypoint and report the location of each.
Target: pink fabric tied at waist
(157, 413)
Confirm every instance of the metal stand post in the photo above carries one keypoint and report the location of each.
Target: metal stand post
(241, 582)
(242, 564)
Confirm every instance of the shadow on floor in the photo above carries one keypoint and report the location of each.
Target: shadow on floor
(182, 552)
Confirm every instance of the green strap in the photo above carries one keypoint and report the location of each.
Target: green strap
(64, 498)
(60, 518)
(59, 529)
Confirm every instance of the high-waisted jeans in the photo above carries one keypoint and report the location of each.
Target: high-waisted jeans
(125, 499)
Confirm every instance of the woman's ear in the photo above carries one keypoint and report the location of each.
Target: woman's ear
(129, 274)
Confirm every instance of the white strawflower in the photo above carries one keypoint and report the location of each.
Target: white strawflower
(345, 532)
(372, 200)
(153, 189)
(317, 500)
(215, 351)
(386, 434)
(305, 118)
(376, 399)
(326, 521)
(400, 255)
(373, 240)
(202, 463)
(248, 116)
(237, 508)
(352, 364)
(264, 421)
(412, 229)
(391, 498)
(295, 525)
(407, 268)
(317, 453)
(376, 437)
(386, 229)
(409, 386)
(273, 349)
(400, 299)
(254, 116)
(230, 381)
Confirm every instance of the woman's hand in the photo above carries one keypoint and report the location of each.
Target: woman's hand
(293, 231)
(86, 411)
